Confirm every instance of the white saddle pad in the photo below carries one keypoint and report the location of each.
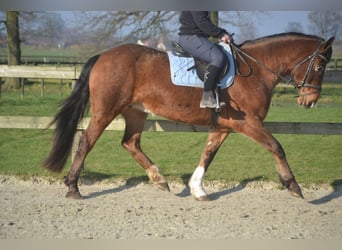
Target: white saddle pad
(180, 75)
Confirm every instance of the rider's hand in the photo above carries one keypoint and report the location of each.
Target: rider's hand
(226, 38)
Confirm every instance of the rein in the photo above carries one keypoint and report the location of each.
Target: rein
(291, 81)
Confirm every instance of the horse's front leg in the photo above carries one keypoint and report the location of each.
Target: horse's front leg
(214, 141)
(261, 135)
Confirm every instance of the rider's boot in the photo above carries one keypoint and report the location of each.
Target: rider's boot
(211, 79)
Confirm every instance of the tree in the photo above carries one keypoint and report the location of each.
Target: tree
(325, 24)
(109, 28)
(214, 16)
(42, 28)
(50, 29)
(13, 45)
(294, 27)
(2, 28)
(245, 21)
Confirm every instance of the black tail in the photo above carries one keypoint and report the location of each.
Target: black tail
(71, 112)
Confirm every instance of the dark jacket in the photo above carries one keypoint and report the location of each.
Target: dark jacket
(199, 23)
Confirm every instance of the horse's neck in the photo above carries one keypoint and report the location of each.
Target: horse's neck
(280, 57)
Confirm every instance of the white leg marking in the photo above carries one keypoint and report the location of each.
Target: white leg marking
(196, 183)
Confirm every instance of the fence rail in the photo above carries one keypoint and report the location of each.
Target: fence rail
(27, 122)
(39, 72)
(334, 64)
(72, 72)
(159, 125)
(46, 60)
(47, 72)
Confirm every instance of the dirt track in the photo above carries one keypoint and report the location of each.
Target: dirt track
(37, 209)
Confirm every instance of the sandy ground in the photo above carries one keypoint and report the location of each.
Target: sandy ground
(37, 209)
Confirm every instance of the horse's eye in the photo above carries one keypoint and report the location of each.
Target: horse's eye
(319, 68)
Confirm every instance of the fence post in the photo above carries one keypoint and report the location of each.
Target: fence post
(42, 87)
(73, 83)
(22, 83)
(0, 86)
(60, 87)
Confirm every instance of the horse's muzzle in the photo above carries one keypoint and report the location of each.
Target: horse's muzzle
(306, 104)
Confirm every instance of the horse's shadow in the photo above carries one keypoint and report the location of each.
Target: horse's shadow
(337, 184)
(215, 196)
(134, 181)
(130, 183)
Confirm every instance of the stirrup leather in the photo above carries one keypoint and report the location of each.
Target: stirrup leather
(219, 104)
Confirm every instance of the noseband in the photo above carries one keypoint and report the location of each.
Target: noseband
(291, 81)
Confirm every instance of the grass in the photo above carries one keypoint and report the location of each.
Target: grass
(33, 103)
(314, 159)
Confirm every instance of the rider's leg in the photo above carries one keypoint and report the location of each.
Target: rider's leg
(211, 79)
(209, 52)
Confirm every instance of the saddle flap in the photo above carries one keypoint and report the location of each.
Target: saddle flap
(200, 66)
(178, 50)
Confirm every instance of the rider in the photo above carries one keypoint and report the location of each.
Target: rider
(195, 29)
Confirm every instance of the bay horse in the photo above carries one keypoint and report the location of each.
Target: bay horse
(133, 80)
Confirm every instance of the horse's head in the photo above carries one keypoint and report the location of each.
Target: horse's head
(308, 74)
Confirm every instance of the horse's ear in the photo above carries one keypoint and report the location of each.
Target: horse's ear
(329, 43)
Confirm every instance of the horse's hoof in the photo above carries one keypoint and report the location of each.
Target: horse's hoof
(295, 191)
(163, 186)
(296, 194)
(74, 195)
(203, 198)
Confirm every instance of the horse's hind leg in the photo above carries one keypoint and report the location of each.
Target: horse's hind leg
(87, 141)
(135, 121)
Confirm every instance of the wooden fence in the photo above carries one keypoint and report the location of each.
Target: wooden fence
(159, 125)
(334, 64)
(39, 72)
(26, 122)
(72, 73)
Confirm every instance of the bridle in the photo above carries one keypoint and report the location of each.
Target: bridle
(311, 58)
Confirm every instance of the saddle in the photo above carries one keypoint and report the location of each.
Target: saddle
(200, 66)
